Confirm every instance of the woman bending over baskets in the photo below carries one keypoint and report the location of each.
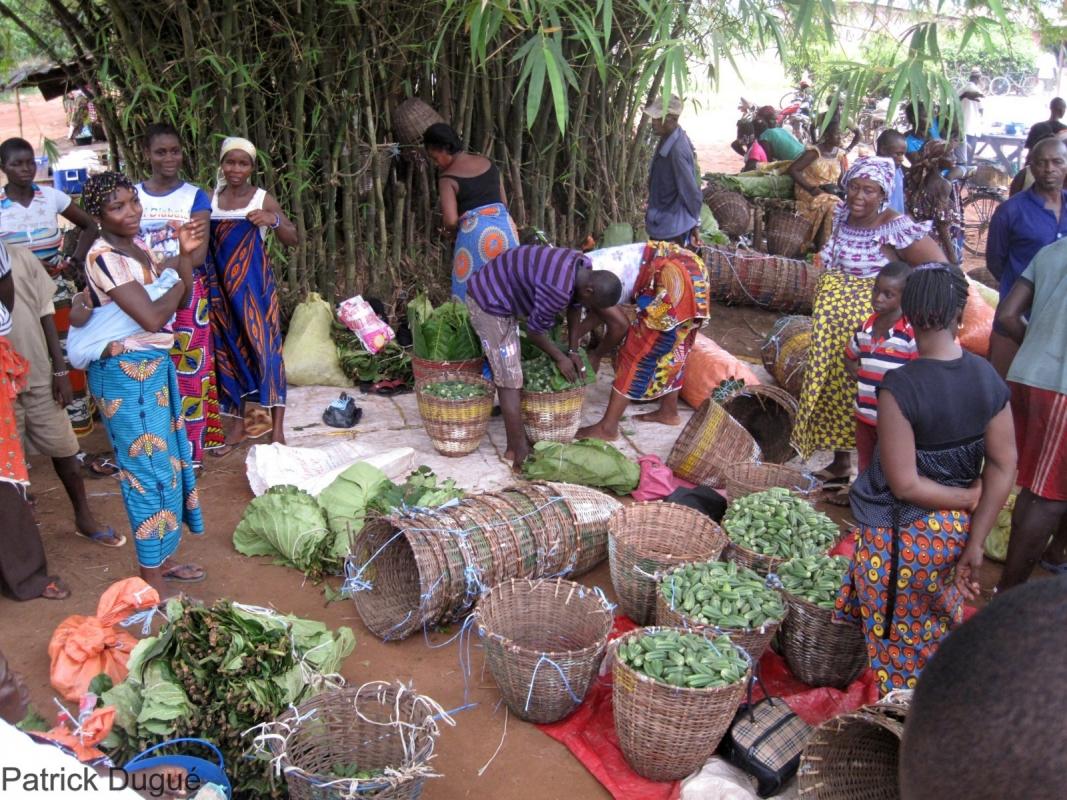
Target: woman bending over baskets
(816, 176)
(943, 467)
(867, 235)
(473, 204)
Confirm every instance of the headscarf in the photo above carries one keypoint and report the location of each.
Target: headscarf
(99, 188)
(928, 160)
(229, 144)
(877, 169)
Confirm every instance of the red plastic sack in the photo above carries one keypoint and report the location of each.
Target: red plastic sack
(977, 323)
(707, 366)
(83, 647)
(657, 480)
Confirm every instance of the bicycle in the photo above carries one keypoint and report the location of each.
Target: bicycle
(981, 202)
(1019, 83)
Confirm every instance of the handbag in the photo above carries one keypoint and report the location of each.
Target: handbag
(765, 740)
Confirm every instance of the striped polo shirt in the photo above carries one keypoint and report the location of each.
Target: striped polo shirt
(531, 281)
(36, 226)
(877, 357)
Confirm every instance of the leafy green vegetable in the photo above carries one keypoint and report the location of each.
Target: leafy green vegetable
(392, 362)
(345, 503)
(33, 722)
(288, 523)
(446, 334)
(100, 684)
(540, 374)
(422, 489)
(454, 390)
(419, 310)
(590, 462)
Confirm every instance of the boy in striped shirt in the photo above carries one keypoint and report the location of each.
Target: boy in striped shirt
(884, 342)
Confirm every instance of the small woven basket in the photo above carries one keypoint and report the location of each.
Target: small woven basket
(552, 416)
(544, 640)
(787, 233)
(732, 212)
(853, 757)
(668, 732)
(747, 478)
(768, 414)
(711, 441)
(455, 427)
(411, 119)
(644, 539)
(820, 651)
(785, 352)
(377, 726)
(424, 369)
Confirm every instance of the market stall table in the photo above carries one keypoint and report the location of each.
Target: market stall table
(1007, 149)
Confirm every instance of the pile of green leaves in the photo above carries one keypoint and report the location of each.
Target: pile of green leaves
(392, 362)
(589, 462)
(540, 374)
(215, 672)
(444, 333)
(422, 489)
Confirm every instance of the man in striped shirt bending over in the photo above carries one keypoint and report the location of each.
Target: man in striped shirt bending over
(536, 282)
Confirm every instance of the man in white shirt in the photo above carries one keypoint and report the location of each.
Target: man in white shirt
(971, 105)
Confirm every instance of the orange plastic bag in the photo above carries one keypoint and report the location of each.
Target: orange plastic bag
(93, 728)
(707, 366)
(977, 323)
(83, 647)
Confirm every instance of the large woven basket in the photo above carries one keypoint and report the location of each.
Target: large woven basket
(757, 562)
(745, 277)
(754, 641)
(854, 757)
(544, 640)
(787, 233)
(455, 427)
(768, 413)
(590, 512)
(423, 368)
(748, 478)
(375, 726)
(412, 118)
(732, 212)
(668, 732)
(646, 538)
(785, 352)
(552, 416)
(820, 651)
(711, 441)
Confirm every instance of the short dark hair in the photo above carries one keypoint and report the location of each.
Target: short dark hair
(1057, 102)
(986, 720)
(895, 271)
(12, 146)
(934, 296)
(888, 137)
(442, 136)
(745, 128)
(1052, 140)
(607, 289)
(159, 129)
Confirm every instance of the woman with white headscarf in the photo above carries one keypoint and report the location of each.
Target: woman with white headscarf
(866, 236)
(245, 317)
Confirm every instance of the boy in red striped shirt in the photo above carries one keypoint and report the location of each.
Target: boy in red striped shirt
(884, 342)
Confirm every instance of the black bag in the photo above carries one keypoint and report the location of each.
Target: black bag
(765, 740)
(342, 412)
(700, 498)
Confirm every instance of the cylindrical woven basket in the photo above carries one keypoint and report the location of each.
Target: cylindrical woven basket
(711, 441)
(668, 732)
(745, 277)
(757, 562)
(820, 651)
(375, 726)
(377, 159)
(552, 416)
(412, 118)
(544, 640)
(455, 427)
(732, 212)
(853, 757)
(424, 369)
(747, 478)
(787, 233)
(785, 353)
(768, 414)
(591, 512)
(644, 539)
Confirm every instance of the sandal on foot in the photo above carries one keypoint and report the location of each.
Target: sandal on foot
(101, 537)
(831, 481)
(258, 423)
(221, 451)
(55, 590)
(839, 497)
(172, 574)
(98, 466)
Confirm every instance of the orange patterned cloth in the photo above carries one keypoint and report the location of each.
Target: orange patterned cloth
(13, 372)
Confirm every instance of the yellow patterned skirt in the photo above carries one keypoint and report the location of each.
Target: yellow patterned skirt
(826, 420)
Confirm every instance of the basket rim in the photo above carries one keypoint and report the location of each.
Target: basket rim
(685, 615)
(809, 606)
(570, 391)
(690, 690)
(449, 375)
(453, 361)
(750, 551)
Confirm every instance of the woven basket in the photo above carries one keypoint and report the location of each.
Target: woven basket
(745, 277)
(552, 416)
(787, 233)
(732, 212)
(785, 353)
(711, 441)
(668, 732)
(412, 118)
(757, 562)
(853, 757)
(591, 512)
(768, 413)
(746, 478)
(455, 427)
(380, 156)
(644, 539)
(820, 651)
(544, 640)
(375, 726)
(424, 369)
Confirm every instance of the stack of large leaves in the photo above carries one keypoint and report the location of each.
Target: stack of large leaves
(215, 672)
(590, 462)
(444, 333)
(392, 362)
(540, 374)
(422, 489)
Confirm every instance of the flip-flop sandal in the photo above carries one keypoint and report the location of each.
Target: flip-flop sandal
(55, 590)
(221, 452)
(838, 498)
(102, 537)
(99, 466)
(171, 574)
(1055, 569)
(831, 481)
(258, 424)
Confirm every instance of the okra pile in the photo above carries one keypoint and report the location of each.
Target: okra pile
(816, 579)
(722, 594)
(684, 659)
(454, 390)
(778, 523)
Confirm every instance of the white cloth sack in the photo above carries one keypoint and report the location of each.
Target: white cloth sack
(720, 780)
(314, 468)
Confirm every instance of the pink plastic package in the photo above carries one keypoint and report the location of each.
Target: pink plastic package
(359, 317)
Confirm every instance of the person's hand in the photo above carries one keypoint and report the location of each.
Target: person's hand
(192, 234)
(579, 364)
(259, 217)
(975, 490)
(62, 392)
(967, 569)
(567, 368)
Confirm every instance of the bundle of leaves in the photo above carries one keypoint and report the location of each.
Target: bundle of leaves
(444, 333)
(422, 489)
(540, 374)
(392, 362)
(215, 672)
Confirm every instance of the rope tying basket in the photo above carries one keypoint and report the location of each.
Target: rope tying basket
(819, 650)
(787, 233)
(644, 539)
(746, 277)
(543, 640)
(746, 478)
(768, 413)
(667, 732)
(711, 441)
(424, 369)
(785, 353)
(731, 211)
(412, 118)
(382, 728)
(455, 427)
(552, 416)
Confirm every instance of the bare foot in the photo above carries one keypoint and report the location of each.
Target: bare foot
(598, 431)
(516, 457)
(277, 436)
(660, 416)
(56, 590)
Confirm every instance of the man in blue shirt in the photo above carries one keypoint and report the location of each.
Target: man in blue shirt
(891, 144)
(674, 198)
(1021, 226)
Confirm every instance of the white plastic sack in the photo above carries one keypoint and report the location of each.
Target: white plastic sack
(314, 468)
(719, 780)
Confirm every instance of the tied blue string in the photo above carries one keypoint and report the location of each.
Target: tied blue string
(142, 618)
(354, 581)
(533, 678)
